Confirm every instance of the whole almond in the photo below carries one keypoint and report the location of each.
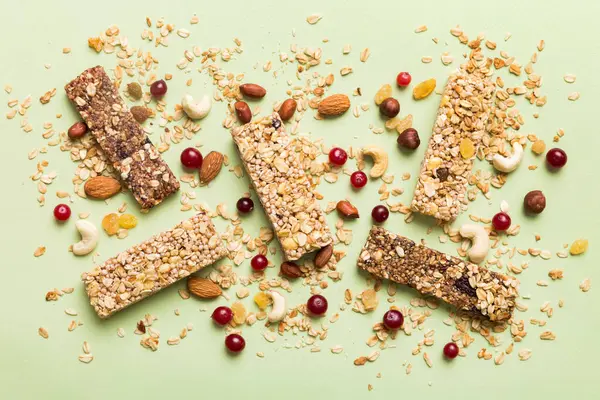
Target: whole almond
(287, 109)
(211, 165)
(333, 105)
(253, 90)
(322, 257)
(346, 209)
(291, 270)
(203, 288)
(243, 112)
(77, 130)
(101, 187)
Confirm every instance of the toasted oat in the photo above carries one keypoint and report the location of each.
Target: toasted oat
(43, 332)
(364, 54)
(427, 360)
(39, 251)
(313, 19)
(574, 96)
(422, 28)
(426, 59)
(547, 335)
(524, 354)
(570, 78)
(86, 358)
(585, 285)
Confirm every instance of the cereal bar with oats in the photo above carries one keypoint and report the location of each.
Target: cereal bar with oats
(284, 189)
(155, 264)
(465, 286)
(460, 125)
(122, 139)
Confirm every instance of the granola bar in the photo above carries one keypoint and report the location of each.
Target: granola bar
(155, 264)
(466, 286)
(284, 189)
(458, 131)
(122, 139)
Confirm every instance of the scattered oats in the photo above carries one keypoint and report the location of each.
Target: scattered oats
(86, 358)
(72, 326)
(524, 354)
(555, 274)
(121, 332)
(427, 360)
(173, 341)
(426, 59)
(499, 358)
(585, 285)
(71, 312)
(184, 293)
(184, 33)
(337, 349)
(8, 89)
(574, 96)
(569, 78)
(39, 251)
(66, 50)
(43, 332)
(313, 19)
(242, 292)
(269, 337)
(408, 369)
(260, 354)
(195, 20)
(364, 55)
(346, 49)
(447, 59)
(86, 348)
(508, 36)
(345, 71)
(421, 28)
(547, 335)
(541, 45)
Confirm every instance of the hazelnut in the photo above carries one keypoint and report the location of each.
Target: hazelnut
(535, 201)
(389, 107)
(409, 139)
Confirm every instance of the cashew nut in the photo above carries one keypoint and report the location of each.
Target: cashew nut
(278, 309)
(480, 242)
(509, 164)
(196, 109)
(89, 238)
(380, 160)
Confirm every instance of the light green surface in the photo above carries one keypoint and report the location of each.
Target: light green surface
(35, 33)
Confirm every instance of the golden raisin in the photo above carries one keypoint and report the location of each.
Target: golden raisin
(579, 246)
(262, 300)
(383, 93)
(538, 147)
(423, 89)
(467, 148)
(127, 221)
(110, 224)
(239, 313)
(369, 299)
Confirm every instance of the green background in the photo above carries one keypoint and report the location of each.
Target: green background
(35, 33)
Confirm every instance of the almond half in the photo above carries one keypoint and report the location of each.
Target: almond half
(101, 187)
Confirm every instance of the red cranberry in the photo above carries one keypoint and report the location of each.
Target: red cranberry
(259, 262)
(393, 319)
(222, 315)
(557, 158)
(191, 158)
(403, 79)
(158, 89)
(501, 221)
(358, 179)
(451, 350)
(317, 304)
(235, 343)
(380, 213)
(338, 156)
(62, 212)
(245, 205)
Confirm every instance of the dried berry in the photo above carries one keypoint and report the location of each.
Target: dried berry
(442, 174)
(423, 89)
(535, 201)
(134, 90)
(239, 312)
(140, 114)
(467, 148)
(409, 139)
(110, 224)
(390, 107)
(383, 93)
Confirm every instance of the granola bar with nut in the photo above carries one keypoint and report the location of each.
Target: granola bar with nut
(283, 187)
(120, 137)
(458, 131)
(465, 286)
(153, 265)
